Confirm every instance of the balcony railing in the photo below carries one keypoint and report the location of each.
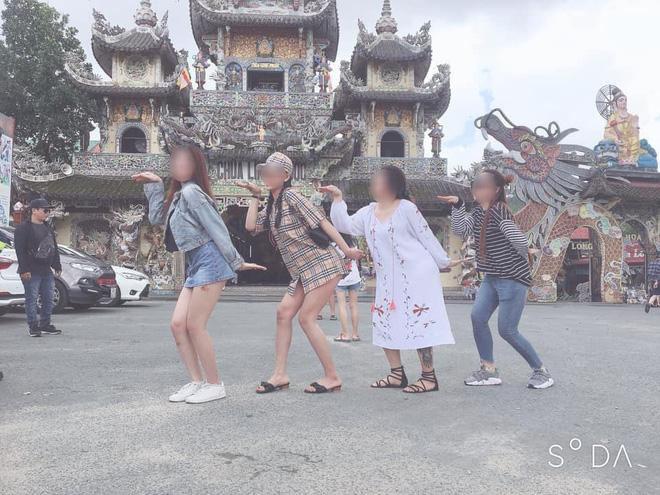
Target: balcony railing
(209, 100)
(118, 164)
(414, 168)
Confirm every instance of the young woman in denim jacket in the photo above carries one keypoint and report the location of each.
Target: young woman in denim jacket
(194, 226)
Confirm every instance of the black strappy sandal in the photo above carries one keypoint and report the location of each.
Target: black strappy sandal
(395, 373)
(269, 388)
(427, 376)
(320, 389)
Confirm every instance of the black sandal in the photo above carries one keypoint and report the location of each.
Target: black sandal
(269, 388)
(320, 389)
(397, 374)
(427, 376)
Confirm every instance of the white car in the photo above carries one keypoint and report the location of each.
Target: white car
(131, 284)
(12, 292)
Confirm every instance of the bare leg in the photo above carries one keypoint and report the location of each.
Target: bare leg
(343, 316)
(286, 311)
(312, 304)
(333, 305)
(355, 312)
(427, 381)
(201, 306)
(396, 376)
(184, 345)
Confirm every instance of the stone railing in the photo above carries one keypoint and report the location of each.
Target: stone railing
(118, 164)
(414, 168)
(209, 100)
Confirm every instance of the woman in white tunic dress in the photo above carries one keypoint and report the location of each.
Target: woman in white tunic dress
(409, 309)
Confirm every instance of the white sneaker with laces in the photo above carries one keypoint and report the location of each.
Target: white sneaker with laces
(186, 391)
(207, 393)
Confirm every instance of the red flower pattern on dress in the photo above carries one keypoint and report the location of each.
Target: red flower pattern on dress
(420, 310)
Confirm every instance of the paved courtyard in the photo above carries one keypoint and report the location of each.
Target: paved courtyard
(86, 412)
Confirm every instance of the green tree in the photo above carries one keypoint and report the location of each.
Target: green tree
(51, 113)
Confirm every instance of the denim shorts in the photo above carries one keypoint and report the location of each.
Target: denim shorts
(348, 288)
(205, 265)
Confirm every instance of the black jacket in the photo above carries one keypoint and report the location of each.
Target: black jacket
(24, 245)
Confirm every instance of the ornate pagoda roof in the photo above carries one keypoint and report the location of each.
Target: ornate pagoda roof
(82, 76)
(321, 15)
(148, 36)
(630, 186)
(435, 94)
(386, 46)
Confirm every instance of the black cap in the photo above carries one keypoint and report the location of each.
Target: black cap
(39, 203)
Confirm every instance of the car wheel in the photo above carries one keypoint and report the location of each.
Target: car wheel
(111, 303)
(60, 298)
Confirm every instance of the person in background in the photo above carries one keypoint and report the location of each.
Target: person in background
(333, 309)
(349, 286)
(654, 298)
(502, 257)
(36, 249)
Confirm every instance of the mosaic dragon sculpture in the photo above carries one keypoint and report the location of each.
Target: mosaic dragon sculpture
(548, 178)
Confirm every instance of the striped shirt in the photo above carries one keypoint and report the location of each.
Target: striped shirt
(506, 245)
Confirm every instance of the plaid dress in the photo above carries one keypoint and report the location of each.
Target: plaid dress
(307, 263)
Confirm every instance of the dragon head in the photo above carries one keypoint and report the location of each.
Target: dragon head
(531, 155)
(545, 171)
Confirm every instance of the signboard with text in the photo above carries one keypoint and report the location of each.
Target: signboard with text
(7, 125)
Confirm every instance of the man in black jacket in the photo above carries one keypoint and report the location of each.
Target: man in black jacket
(36, 250)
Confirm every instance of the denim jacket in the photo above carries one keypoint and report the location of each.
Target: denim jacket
(194, 219)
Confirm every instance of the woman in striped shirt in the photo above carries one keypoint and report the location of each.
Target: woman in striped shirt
(502, 257)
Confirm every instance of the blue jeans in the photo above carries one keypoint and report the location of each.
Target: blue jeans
(510, 296)
(43, 285)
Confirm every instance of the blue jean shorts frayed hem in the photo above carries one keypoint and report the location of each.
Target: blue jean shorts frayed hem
(205, 265)
(348, 288)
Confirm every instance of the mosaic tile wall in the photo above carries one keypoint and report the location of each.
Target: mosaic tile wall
(243, 42)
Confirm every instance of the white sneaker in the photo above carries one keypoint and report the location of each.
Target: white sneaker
(186, 391)
(207, 393)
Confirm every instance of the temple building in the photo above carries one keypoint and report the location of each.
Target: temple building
(262, 84)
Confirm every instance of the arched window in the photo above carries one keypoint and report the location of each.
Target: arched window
(392, 145)
(133, 140)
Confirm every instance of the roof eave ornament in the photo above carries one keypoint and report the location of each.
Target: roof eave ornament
(386, 23)
(145, 16)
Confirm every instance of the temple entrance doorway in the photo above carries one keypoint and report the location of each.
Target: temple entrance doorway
(255, 249)
(392, 145)
(265, 80)
(580, 276)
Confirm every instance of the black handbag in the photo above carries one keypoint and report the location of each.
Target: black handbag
(319, 237)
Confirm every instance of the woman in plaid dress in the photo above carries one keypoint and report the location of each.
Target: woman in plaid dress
(314, 271)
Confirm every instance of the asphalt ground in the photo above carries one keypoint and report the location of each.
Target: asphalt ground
(87, 413)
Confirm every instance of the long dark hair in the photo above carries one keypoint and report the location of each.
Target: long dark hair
(277, 204)
(200, 174)
(396, 181)
(500, 200)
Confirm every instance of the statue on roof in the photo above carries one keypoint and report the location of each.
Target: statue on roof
(201, 64)
(436, 136)
(623, 128)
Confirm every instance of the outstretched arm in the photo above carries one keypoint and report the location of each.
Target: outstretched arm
(155, 192)
(345, 223)
(461, 223)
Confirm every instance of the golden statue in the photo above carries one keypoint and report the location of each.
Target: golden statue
(623, 129)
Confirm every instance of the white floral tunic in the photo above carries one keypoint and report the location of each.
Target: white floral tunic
(409, 309)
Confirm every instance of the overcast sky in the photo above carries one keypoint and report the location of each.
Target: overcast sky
(537, 60)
